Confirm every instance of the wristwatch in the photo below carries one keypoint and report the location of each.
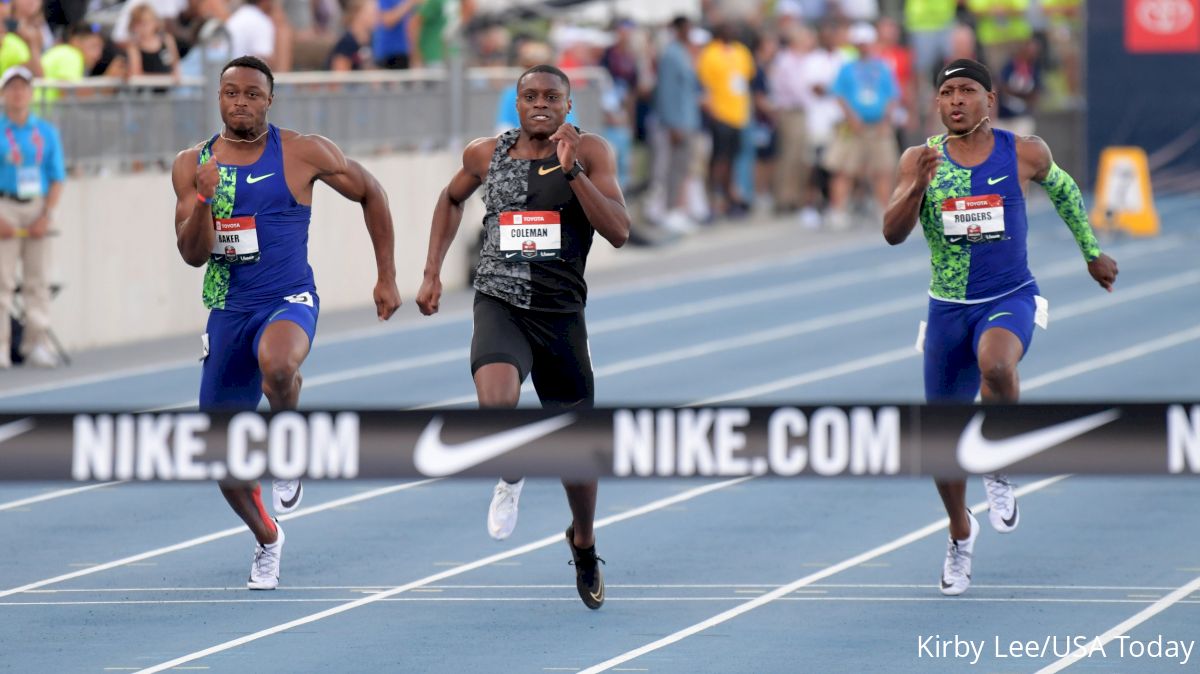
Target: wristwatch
(573, 171)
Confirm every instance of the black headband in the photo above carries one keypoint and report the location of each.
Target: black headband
(965, 68)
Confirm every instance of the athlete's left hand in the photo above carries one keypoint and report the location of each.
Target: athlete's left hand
(567, 138)
(1104, 270)
(387, 298)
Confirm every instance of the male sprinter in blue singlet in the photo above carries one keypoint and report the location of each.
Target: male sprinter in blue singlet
(966, 186)
(547, 188)
(244, 204)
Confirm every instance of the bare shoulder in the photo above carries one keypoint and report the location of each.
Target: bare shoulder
(592, 145)
(313, 149)
(1032, 147)
(478, 155)
(909, 157)
(183, 171)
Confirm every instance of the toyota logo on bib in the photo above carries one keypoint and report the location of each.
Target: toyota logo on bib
(1165, 17)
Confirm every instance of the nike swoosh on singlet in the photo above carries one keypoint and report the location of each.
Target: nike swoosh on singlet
(250, 180)
(977, 454)
(995, 316)
(436, 459)
(542, 170)
(993, 181)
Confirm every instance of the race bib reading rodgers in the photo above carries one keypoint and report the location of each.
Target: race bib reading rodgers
(973, 219)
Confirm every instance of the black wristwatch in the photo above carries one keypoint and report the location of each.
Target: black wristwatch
(573, 171)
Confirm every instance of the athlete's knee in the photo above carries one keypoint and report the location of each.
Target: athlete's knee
(997, 372)
(279, 374)
(492, 395)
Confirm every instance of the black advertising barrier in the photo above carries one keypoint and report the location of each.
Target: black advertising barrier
(811, 441)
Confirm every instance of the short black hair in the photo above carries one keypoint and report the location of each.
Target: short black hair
(680, 22)
(255, 63)
(549, 69)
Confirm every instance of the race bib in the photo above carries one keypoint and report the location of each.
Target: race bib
(530, 236)
(974, 219)
(237, 241)
(29, 182)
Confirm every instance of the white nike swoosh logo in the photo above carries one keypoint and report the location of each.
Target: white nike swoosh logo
(250, 180)
(14, 428)
(436, 459)
(950, 72)
(977, 454)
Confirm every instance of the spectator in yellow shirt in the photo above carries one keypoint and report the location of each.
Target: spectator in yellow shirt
(725, 68)
(70, 61)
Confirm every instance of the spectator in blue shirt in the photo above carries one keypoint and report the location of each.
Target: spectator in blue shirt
(31, 180)
(392, 46)
(865, 146)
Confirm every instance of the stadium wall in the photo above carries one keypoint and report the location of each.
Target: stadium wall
(123, 280)
(1141, 82)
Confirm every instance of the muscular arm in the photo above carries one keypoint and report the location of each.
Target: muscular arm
(1064, 193)
(598, 191)
(354, 182)
(905, 205)
(447, 214)
(194, 233)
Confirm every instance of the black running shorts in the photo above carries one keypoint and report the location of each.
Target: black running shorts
(551, 346)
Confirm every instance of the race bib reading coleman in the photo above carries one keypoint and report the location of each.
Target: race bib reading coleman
(237, 241)
(975, 219)
(530, 236)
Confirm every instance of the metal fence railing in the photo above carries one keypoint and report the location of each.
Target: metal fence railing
(112, 124)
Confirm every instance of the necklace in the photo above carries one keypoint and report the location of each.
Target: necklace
(964, 135)
(255, 140)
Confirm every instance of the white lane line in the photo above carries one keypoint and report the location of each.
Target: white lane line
(201, 540)
(618, 586)
(56, 494)
(429, 580)
(758, 296)
(803, 379)
(612, 598)
(1124, 626)
(784, 590)
(1115, 358)
(1068, 311)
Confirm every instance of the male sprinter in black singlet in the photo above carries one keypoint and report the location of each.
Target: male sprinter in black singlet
(547, 188)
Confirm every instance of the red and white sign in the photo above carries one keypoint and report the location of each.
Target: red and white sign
(1162, 26)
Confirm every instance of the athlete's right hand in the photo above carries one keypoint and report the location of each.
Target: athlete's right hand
(429, 295)
(207, 177)
(927, 164)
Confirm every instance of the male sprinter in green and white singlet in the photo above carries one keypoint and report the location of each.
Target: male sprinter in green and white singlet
(244, 201)
(966, 188)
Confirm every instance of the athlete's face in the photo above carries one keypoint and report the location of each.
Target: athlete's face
(962, 102)
(245, 98)
(542, 104)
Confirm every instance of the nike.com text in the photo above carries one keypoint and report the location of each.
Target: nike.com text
(711, 442)
(171, 447)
